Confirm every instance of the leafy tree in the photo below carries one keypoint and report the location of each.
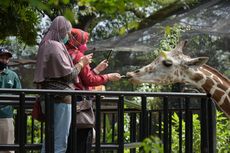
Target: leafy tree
(17, 19)
(21, 18)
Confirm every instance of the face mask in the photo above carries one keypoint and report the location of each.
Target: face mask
(2, 66)
(65, 40)
(83, 48)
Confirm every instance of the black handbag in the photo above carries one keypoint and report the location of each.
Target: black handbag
(85, 114)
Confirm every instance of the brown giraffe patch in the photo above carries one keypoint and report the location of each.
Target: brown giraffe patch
(151, 69)
(226, 107)
(176, 73)
(221, 86)
(217, 95)
(208, 85)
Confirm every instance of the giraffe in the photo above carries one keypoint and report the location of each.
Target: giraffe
(175, 67)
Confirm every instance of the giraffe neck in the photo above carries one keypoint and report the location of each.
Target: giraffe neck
(215, 84)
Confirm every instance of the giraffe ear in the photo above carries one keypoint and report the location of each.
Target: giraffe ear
(196, 62)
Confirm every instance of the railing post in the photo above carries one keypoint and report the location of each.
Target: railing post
(104, 128)
(49, 124)
(188, 127)
(133, 126)
(212, 126)
(113, 128)
(180, 114)
(144, 118)
(21, 129)
(170, 131)
(204, 126)
(121, 124)
(73, 132)
(98, 124)
(165, 137)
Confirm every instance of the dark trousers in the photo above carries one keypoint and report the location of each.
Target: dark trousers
(84, 141)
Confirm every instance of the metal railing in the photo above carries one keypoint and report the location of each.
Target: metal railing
(111, 111)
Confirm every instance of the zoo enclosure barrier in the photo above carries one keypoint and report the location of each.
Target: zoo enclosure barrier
(120, 123)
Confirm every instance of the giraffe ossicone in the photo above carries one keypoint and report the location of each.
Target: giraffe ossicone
(180, 68)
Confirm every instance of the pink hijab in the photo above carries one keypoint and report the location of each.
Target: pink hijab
(53, 60)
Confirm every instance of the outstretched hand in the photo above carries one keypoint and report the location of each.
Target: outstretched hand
(114, 76)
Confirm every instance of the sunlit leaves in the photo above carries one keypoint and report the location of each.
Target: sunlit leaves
(165, 2)
(171, 37)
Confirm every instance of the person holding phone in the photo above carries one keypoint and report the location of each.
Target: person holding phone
(55, 70)
(88, 78)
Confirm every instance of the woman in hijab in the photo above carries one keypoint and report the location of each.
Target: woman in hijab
(88, 79)
(55, 70)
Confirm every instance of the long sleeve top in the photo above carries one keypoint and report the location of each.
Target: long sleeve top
(87, 77)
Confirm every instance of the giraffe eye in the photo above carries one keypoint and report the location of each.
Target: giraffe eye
(167, 63)
(137, 71)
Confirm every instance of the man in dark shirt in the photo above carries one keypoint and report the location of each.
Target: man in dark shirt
(8, 79)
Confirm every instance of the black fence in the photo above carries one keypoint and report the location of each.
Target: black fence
(120, 123)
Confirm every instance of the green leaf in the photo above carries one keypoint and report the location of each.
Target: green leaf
(65, 1)
(69, 15)
(167, 30)
(38, 4)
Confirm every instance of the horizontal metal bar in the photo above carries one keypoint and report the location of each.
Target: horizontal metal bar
(115, 146)
(116, 93)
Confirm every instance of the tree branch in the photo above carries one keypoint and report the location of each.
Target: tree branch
(161, 15)
(21, 62)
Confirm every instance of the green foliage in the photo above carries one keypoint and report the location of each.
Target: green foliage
(152, 144)
(37, 131)
(171, 37)
(175, 133)
(223, 135)
(168, 2)
(153, 102)
(17, 19)
(109, 129)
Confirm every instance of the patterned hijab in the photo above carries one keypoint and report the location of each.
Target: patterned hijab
(79, 39)
(53, 60)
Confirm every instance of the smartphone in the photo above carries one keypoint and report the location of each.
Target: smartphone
(109, 55)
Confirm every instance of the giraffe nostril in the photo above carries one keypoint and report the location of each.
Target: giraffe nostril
(137, 71)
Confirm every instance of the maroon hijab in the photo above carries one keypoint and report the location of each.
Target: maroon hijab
(53, 60)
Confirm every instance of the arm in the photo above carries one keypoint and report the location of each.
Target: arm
(17, 83)
(89, 78)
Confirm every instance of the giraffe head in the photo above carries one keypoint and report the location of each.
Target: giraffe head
(170, 67)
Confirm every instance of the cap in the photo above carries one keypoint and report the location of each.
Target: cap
(5, 51)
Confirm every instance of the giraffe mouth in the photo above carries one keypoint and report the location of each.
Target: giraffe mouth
(130, 76)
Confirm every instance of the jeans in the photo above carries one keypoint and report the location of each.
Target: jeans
(62, 120)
